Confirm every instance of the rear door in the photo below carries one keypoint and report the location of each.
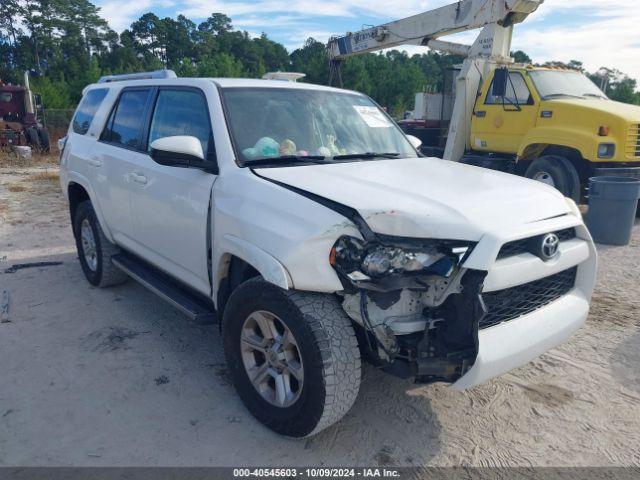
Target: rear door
(170, 205)
(115, 155)
(499, 125)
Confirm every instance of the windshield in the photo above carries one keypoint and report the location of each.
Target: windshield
(553, 83)
(283, 124)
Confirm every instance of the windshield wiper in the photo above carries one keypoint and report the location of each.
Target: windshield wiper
(288, 159)
(595, 95)
(366, 155)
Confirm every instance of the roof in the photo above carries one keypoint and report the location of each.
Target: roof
(221, 82)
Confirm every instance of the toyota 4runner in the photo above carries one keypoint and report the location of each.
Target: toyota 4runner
(303, 220)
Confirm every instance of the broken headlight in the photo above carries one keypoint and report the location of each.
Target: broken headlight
(361, 262)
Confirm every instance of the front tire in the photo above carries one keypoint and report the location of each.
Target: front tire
(558, 172)
(306, 349)
(94, 249)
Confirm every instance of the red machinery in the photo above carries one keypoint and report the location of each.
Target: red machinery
(22, 118)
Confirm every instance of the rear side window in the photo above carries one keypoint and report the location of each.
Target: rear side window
(182, 112)
(127, 119)
(87, 110)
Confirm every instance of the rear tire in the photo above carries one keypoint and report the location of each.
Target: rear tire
(31, 135)
(45, 142)
(557, 172)
(94, 249)
(329, 358)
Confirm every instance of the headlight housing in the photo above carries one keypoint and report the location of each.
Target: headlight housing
(606, 150)
(362, 262)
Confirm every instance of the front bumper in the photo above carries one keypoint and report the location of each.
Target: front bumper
(515, 343)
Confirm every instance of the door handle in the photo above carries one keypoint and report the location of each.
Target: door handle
(481, 114)
(94, 162)
(138, 178)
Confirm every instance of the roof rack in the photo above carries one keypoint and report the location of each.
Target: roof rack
(138, 76)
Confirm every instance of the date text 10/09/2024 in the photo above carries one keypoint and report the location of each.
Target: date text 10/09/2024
(317, 472)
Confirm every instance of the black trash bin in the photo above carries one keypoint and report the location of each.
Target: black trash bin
(612, 209)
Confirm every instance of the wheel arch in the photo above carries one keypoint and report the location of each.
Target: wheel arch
(77, 191)
(536, 150)
(237, 261)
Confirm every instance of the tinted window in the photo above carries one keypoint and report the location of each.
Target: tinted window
(127, 118)
(5, 97)
(87, 110)
(181, 112)
(517, 92)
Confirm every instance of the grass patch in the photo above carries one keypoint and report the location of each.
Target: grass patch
(44, 177)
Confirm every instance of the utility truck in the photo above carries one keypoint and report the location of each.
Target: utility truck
(547, 124)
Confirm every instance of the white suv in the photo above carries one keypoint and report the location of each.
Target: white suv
(303, 220)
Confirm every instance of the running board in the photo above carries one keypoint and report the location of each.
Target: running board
(193, 305)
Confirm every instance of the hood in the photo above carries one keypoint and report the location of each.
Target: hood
(427, 197)
(621, 111)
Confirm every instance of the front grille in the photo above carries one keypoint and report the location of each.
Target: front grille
(512, 303)
(524, 246)
(633, 142)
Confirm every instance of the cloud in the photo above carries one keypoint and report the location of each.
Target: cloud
(596, 32)
(121, 13)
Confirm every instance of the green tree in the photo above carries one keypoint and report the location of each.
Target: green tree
(520, 57)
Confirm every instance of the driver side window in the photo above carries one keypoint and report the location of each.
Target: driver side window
(517, 92)
(182, 112)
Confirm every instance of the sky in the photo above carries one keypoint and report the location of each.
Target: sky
(596, 32)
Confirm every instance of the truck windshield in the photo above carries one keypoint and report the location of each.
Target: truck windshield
(289, 125)
(557, 83)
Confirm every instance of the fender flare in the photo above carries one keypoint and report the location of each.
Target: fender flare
(74, 177)
(268, 266)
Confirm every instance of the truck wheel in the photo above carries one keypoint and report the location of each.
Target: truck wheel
(45, 142)
(557, 172)
(31, 135)
(293, 357)
(94, 250)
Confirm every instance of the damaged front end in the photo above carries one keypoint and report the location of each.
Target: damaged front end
(417, 307)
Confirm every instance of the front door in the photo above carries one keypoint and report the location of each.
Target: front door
(500, 124)
(170, 205)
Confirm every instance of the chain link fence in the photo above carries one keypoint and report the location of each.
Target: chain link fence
(57, 121)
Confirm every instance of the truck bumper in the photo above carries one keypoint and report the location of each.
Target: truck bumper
(517, 342)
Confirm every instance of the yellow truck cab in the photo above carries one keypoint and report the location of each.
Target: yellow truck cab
(555, 126)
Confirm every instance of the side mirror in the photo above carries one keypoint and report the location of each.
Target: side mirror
(500, 79)
(414, 141)
(180, 151)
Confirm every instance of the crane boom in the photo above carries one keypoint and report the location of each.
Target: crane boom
(420, 29)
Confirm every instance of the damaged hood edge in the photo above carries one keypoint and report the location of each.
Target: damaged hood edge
(427, 197)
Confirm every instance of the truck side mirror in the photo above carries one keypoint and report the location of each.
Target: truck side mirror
(500, 79)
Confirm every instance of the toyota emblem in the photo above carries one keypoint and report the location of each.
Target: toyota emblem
(549, 246)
